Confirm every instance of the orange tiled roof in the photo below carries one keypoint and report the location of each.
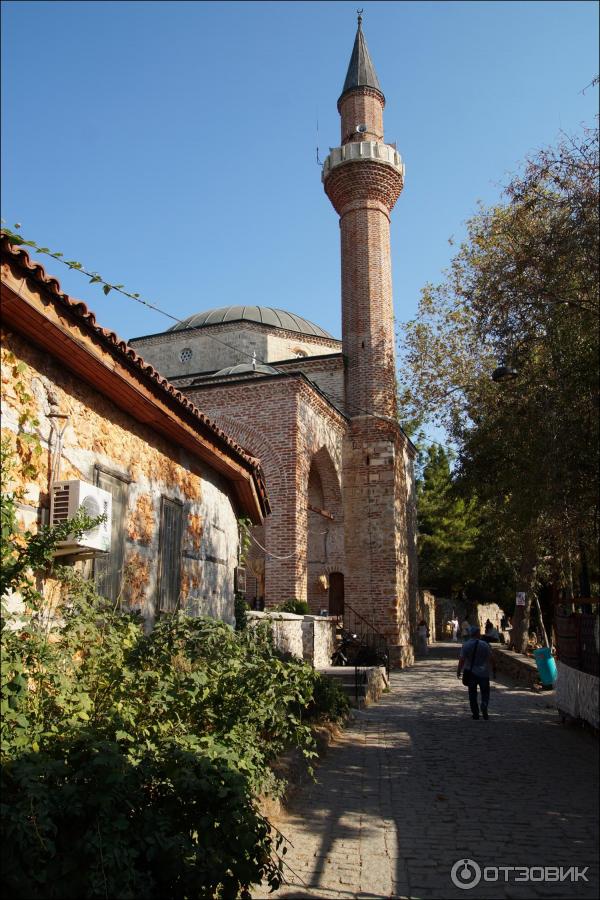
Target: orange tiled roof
(118, 346)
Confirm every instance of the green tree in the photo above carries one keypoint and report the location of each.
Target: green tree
(447, 528)
(459, 554)
(523, 289)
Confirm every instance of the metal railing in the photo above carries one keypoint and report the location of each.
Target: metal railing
(361, 644)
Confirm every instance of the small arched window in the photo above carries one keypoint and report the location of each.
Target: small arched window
(299, 352)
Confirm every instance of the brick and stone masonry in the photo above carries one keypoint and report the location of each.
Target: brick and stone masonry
(363, 178)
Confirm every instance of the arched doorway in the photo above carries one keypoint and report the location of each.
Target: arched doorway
(325, 530)
(336, 594)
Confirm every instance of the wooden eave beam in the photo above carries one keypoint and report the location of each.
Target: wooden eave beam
(57, 331)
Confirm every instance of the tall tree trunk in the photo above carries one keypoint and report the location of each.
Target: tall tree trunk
(520, 623)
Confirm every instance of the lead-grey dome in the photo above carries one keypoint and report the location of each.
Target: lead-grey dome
(264, 315)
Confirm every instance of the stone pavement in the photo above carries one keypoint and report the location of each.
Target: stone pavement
(415, 784)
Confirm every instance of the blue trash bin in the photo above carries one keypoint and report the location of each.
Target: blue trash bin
(545, 665)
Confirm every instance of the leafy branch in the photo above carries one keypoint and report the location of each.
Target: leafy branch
(94, 277)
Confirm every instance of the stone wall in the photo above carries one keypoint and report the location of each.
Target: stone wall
(380, 552)
(101, 440)
(489, 611)
(516, 666)
(219, 346)
(319, 640)
(309, 431)
(426, 610)
(477, 614)
(286, 629)
(310, 638)
(577, 694)
(327, 374)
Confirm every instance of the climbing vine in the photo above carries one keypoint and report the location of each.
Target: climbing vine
(28, 445)
(94, 277)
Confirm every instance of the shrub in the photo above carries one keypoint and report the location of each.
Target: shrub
(328, 701)
(299, 607)
(91, 823)
(240, 610)
(131, 762)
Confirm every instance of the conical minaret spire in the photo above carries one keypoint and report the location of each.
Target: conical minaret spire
(361, 71)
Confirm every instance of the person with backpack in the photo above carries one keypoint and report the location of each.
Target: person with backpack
(475, 665)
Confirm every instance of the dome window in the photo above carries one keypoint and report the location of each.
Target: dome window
(185, 355)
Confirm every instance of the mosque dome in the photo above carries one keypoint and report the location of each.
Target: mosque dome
(264, 315)
(245, 369)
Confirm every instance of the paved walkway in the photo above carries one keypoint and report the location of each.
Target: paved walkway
(415, 784)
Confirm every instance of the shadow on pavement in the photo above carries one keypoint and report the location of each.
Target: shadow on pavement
(416, 784)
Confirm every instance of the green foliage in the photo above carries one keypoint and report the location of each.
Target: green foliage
(523, 289)
(329, 700)
(94, 278)
(92, 822)
(23, 553)
(447, 527)
(458, 555)
(244, 526)
(240, 610)
(299, 607)
(131, 762)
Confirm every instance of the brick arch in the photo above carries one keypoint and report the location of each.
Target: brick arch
(257, 444)
(325, 535)
(262, 570)
(330, 481)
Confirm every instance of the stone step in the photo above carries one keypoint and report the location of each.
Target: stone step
(372, 681)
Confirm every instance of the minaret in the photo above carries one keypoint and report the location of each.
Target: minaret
(363, 178)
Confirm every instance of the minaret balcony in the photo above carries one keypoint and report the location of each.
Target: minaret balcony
(367, 150)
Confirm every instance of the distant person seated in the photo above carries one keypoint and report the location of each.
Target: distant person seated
(492, 635)
(422, 636)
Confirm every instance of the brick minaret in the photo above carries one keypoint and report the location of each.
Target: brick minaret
(363, 178)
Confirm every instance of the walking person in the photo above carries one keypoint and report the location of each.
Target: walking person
(455, 627)
(477, 661)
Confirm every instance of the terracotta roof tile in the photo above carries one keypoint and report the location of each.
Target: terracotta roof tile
(117, 345)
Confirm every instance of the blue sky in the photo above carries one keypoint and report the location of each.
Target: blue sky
(172, 146)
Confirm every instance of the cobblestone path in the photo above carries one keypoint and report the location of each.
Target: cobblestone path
(415, 784)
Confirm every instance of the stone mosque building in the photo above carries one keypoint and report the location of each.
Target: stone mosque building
(321, 413)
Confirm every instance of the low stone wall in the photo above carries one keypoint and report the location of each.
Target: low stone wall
(318, 636)
(377, 682)
(518, 667)
(286, 629)
(310, 638)
(373, 680)
(577, 694)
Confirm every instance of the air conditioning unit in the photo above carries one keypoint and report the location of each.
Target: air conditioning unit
(66, 498)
